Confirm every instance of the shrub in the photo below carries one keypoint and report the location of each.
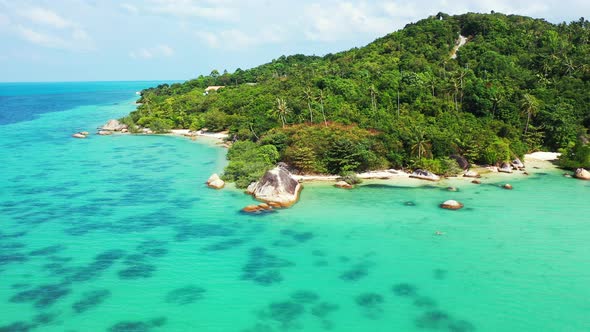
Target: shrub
(350, 178)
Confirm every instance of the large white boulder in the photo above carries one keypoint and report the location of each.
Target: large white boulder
(424, 175)
(451, 205)
(582, 174)
(215, 182)
(114, 125)
(276, 187)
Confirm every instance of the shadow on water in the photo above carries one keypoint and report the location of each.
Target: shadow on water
(264, 268)
(431, 318)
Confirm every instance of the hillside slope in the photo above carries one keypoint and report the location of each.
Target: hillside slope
(517, 85)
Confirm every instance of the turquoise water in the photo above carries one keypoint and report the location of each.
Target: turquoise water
(119, 233)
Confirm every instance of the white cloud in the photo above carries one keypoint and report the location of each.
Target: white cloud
(215, 10)
(235, 39)
(130, 8)
(45, 27)
(4, 20)
(331, 22)
(40, 38)
(44, 16)
(158, 51)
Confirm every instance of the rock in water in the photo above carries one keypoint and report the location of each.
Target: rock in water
(582, 174)
(471, 174)
(451, 205)
(215, 182)
(104, 132)
(343, 184)
(277, 186)
(114, 125)
(424, 175)
(507, 186)
(79, 135)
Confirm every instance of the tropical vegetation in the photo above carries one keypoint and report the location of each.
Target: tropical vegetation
(519, 84)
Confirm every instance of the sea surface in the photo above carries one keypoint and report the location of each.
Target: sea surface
(119, 233)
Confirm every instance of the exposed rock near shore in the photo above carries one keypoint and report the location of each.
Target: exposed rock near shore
(79, 135)
(451, 205)
(507, 186)
(276, 187)
(343, 185)
(262, 207)
(424, 175)
(471, 174)
(215, 182)
(105, 132)
(505, 168)
(461, 161)
(582, 174)
(114, 125)
(517, 164)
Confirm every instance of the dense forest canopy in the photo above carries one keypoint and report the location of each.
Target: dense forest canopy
(518, 84)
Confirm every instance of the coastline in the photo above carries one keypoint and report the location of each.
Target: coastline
(537, 162)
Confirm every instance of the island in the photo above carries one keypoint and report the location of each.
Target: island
(431, 99)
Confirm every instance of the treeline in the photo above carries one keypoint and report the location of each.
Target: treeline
(519, 84)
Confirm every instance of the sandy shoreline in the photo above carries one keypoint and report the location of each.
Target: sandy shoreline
(535, 162)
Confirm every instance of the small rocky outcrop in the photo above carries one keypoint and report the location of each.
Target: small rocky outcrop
(343, 185)
(452, 189)
(215, 182)
(79, 135)
(517, 164)
(505, 168)
(471, 174)
(507, 186)
(476, 181)
(451, 205)
(104, 132)
(582, 174)
(277, 188)
(114, 125)
(461, 161)
(260, 208)
(424, 175)
(85, 133)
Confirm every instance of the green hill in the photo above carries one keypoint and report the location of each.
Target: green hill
(518, 84)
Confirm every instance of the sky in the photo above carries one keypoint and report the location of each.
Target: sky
(105, 40)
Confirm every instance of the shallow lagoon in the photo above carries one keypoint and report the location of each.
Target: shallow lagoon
(120, 234)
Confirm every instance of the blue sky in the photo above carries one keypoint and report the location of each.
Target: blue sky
(77, 40)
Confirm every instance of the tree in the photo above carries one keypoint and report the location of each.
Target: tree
(529, 105)
(421, 147)
(282, 110)
(309, 98)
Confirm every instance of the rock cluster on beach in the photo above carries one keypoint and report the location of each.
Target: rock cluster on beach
(424, 175)
(215, 182)
(277, 188)
(112, 126)
(582, 174)
(343, 185)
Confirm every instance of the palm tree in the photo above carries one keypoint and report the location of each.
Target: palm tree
(529, 105)
(321, 99)
(373, 93)
(309, 97)
(421, 146)
(282, 110)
